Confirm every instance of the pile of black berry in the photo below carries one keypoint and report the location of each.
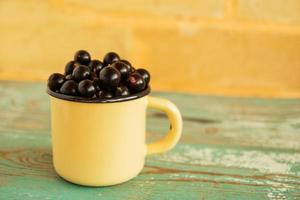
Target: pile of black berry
(88, 78)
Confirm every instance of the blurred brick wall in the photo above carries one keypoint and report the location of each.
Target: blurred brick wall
(231, 47)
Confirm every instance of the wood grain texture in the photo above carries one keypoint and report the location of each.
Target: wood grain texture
(232, 148)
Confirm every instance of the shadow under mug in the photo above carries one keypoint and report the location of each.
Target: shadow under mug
(102, 142)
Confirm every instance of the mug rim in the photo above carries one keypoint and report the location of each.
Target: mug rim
(92, 100)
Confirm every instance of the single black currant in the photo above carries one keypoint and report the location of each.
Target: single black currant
(110, 77)
(86, 88)
(96, 66)
(122, 68)
(135, 82)
(83, 57)
(145, 74)
(97, 84)
(55, 81)
(69, 77)
(122, 91)
(105, 94)
(69, 87)
(126, 62)
(110, 58)
(81, 72)
(70, 66)
(129, 65)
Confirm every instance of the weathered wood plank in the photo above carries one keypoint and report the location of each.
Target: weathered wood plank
(232, 148)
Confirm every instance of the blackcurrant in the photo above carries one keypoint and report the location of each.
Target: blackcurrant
(135, 82)
(86, 88)
(110, 58)
(83, 57)
(70, 66)
(69, 77)
(122, 68)
(96, 66)
(145, 74)
(105, 94)
(96, 83)
(122, 91)
(126, 62)
(81, 72)
(55, 81)
(129, 65)
(110, 77)
(69, 87)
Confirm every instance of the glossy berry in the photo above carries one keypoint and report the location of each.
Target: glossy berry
(122, 91)
(145, 74)
(110, 77)
(96, 83)
(105, 94)
(86, 88)
(128, 64)
(135, 82)
(69, 88)
(83, 57)
(122, 68)
(55, 81)
(70, 66)
(110, 58)
(96, 66)
(81, 72)
(69, 77)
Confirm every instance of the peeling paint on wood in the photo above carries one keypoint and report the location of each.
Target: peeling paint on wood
(232, 148)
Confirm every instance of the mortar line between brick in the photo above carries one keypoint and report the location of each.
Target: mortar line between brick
(150, 21)
(231, 25)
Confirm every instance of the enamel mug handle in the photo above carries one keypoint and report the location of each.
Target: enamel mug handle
(172, 137)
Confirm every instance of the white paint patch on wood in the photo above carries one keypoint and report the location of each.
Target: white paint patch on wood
(263, 161)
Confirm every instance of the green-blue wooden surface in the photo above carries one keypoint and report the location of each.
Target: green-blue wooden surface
(231, 148)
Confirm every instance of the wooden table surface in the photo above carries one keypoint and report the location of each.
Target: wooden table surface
(231, 148)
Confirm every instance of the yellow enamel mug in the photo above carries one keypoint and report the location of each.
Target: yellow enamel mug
(101, 143)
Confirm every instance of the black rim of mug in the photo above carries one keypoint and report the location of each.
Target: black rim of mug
(97, 100)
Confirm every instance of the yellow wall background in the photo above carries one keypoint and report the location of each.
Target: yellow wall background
(231, 47)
